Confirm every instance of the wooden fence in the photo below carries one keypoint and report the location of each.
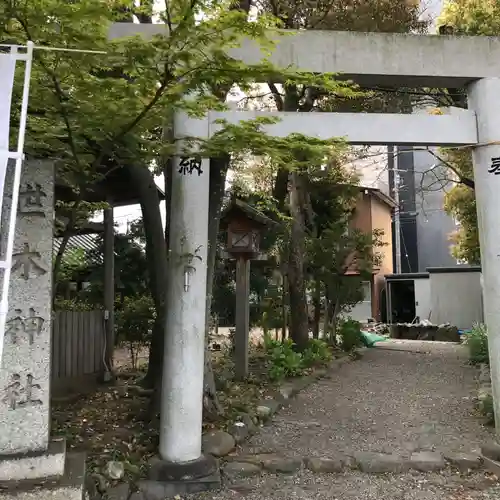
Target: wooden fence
(78, 341)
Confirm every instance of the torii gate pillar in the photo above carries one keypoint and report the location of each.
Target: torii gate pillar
(484, 99)
(181, 467)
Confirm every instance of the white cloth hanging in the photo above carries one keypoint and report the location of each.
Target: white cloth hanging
(7, 71)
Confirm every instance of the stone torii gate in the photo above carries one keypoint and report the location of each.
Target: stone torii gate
(371, 59)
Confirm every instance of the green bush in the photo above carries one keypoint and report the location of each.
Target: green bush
(317, 352)
(487, 409)
(349, 331)
(284, 361)
(477, 343)
(74, 305)
(134, 323)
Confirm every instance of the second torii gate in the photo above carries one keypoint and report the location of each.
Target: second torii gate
(370, 59)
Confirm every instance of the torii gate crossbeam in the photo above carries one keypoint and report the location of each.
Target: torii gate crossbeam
(392, 59)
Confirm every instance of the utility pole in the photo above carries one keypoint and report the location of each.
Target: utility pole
(397, 212)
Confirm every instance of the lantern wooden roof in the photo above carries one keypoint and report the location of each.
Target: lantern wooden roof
(238, 210)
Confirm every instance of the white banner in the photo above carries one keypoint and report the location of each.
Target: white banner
(7, 70)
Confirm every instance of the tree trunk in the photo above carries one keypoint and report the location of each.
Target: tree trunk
(317, 309)
(299, 327)
(218, 172)
(326, 320)
(335, 315)
(299, 210)
(156, 256)
(284, 310)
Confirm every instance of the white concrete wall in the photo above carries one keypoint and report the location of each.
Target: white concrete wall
(456, 298)
(362, 311)
(422, 298)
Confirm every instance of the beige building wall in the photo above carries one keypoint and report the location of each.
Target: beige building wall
(381, 216)
(373, 213)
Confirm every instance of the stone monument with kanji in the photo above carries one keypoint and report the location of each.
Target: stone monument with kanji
(30, 461)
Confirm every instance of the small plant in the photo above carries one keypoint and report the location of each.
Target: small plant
(487, 409)
(349, 331)
(284, 361)
(134, 324)
(317, 352)
(477, 343)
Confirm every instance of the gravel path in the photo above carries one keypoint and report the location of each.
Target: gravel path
(389, 401)
(403, 397)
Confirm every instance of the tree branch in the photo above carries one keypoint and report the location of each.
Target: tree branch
(278, 98)
(463, 180)
(59, 94)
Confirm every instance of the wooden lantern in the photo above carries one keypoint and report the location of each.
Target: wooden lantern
(244, 225)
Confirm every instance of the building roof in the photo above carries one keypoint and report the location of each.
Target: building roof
(117, 188)
(454, 269)
(377, 193)
(406, 276)
(86, 242)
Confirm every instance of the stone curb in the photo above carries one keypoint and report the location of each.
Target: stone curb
(238, 467)
(490, 453)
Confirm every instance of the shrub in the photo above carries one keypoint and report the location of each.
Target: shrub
(284, 361)
(134, 324)
(477, 343)
(349, 331)
(73, 305)
(487, 409)
(317, 352)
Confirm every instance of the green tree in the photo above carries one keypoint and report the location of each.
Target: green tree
(336, 247)
(460, 202)
(97, 113)
(131, 276)
(134, 322)
(471, 17)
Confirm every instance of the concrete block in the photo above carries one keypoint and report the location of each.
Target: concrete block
(70, 486)
(34, 465)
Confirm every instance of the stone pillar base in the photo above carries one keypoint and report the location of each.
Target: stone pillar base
(68, 486)
(34, 464)
(167, 479)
